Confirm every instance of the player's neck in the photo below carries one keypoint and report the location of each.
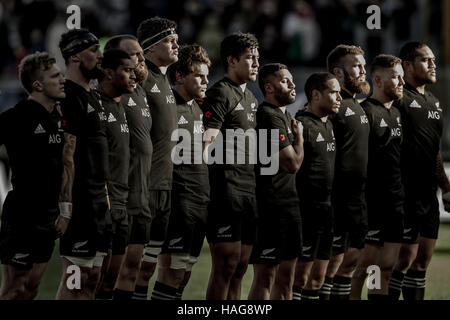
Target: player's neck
(182, 92)
(382, 98)
(413, 83)
(315, 110)
(108, 89)
(273, 101)
(74, 74)
(43, 100)
(233, 77)
(156, 62)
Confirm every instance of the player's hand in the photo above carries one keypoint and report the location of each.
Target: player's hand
(297, 129)
(446, 201)
(61, 226)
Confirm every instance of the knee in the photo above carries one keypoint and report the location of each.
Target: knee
(31, 290)
(241, 268)
(316, 281)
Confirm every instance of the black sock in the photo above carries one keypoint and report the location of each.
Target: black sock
(179, 293)
(140, 292)
(309, 295)
(162, 291)
(377, 297)
(414, 285)
(395, 285)
(324, 292)
(296, 293)
(341, 288)
(122, 294)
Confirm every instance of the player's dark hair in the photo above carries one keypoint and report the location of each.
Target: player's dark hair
(334, 58)
(152, 27)
(112, 59)
(188, 56)
(266, 71)
(235, 44)
(74, 41)
(114, 42)
(409, 50)
(384, 61)
(317, 81)
(31, 66)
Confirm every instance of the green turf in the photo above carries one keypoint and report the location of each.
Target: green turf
(438, 275)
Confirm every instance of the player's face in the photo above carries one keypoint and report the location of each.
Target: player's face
(195, 83)
(247, 65)
(90, 60)
(284, 86)
(330, 99)
(53, 83)
(393, 82)
(424, 66)
(355, 74)
(136, 53)
(166, 51)
(124, 78)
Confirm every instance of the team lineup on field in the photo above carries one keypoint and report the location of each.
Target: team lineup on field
(137, 159)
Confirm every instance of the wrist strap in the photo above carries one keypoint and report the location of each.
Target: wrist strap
(65, 209)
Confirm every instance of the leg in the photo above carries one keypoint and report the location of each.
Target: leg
(368, 257)
(302, 272)
(388, 255)
(72, 283)
(130, 267)
(234, 291)
(109, 277)
(343, 278)
(282, 288)
(263, 279)
(13, 282)
(225, 258)
(317, 275)
(34, 280)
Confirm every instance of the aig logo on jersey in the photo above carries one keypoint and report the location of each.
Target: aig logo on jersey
(124, 128)
(331, 146)
(198, 127)
(145, 112)
(364, 119)
(54, 138)
(170, 99)
(434, 115)
(250, 117)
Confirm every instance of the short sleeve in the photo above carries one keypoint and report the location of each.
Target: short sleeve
(215, 108)
(276, 122)
(72, 114)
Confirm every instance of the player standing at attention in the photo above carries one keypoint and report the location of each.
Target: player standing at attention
(141, 148)
(33, 137)
(314, 181)
(159, 40)
(422, 121)
(118, 79)
(384, 192)
(190, 191)
(351, 129)
(229, 104)
(278, 241)
(85, 242)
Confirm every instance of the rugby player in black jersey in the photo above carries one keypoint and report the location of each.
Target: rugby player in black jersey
(351, 129)
(85, 242)
(278, 241)
(314, 182)
(118, 79)
(190, 190)
(139, 123)
(159, 40)
(229, 104)
(384, 189)
(33, 137)
(422, 120)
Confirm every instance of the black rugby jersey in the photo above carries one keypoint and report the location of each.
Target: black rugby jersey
(422, 120)
(383, 169)
(351, 130)
(226, 106)
(190, 177)
(118, 136)
(83, 118)
(34, 140)
(280, 187)
(164, 114)
(315, 177)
